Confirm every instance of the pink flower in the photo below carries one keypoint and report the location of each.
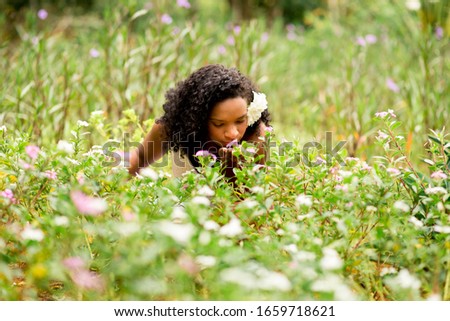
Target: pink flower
(166, 19)
(74, 263)
(233, 143)
(230, 41)
(251, 150)
(94, 53)
(343, 188)
(88, 205)
(80, 178)
(361, 41)
(128, 215)
(371, 39)
(87, 280)
(42, 14)
(269, 129)
(205, 153)
(221, 50)
(393, 171)
(390, 83)
(439, 33)
(439, 175)
(183, 4)
(7, 193)
(366, 167)
(50, 174)
(264, 37)
(383, 114)
(26, 165)
(32, 151)
(237, 30)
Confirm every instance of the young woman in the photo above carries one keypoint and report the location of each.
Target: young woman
(212, 110)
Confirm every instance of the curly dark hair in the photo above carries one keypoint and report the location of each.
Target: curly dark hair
(189, 104)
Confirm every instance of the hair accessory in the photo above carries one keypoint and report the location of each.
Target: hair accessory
(257, 106)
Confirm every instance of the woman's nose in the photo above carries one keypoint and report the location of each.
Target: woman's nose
(231, 133)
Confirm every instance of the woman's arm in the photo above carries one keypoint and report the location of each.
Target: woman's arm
(154, 146)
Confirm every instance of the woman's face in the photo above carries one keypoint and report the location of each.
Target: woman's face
(228, 121)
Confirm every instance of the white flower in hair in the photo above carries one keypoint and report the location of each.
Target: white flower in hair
(257, 106)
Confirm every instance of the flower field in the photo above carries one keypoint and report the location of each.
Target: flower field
(353, 203)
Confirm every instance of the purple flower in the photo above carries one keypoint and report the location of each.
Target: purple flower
(205, 153)
(233, 143)
(94, 53)
(176, 31)
(370, 39)
(439, 32)
(166, 19)
(290, 28)
(230, 40)
(221, 50)
(32, 151)
(237, 30)
(361, 41)
(42, 14)
(392, 85)
(264, 37)
(183, 4)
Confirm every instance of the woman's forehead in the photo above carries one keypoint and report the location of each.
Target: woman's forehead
(232, 108)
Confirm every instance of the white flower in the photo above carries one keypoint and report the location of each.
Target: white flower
(257, 190)
(330, 260)
(150, 173)
(231, 229)
(402, 206)
(256, 278)
(387, 270)
(181, 233)
(82, 123)
(3, 128)
(201, 200)
(31, 233)
(211, 226)
(371, 208)
(303, 199)
(436, 190)
(205, 261)
(65, 147)
(205, 191)
(334, 284)
(442, 229)
(413, 5)
(178, 213)
(250, 203)
(382, 135)
(269, 280)
(415, 221)
(405, 280)
(257, 106)
(61, 221)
